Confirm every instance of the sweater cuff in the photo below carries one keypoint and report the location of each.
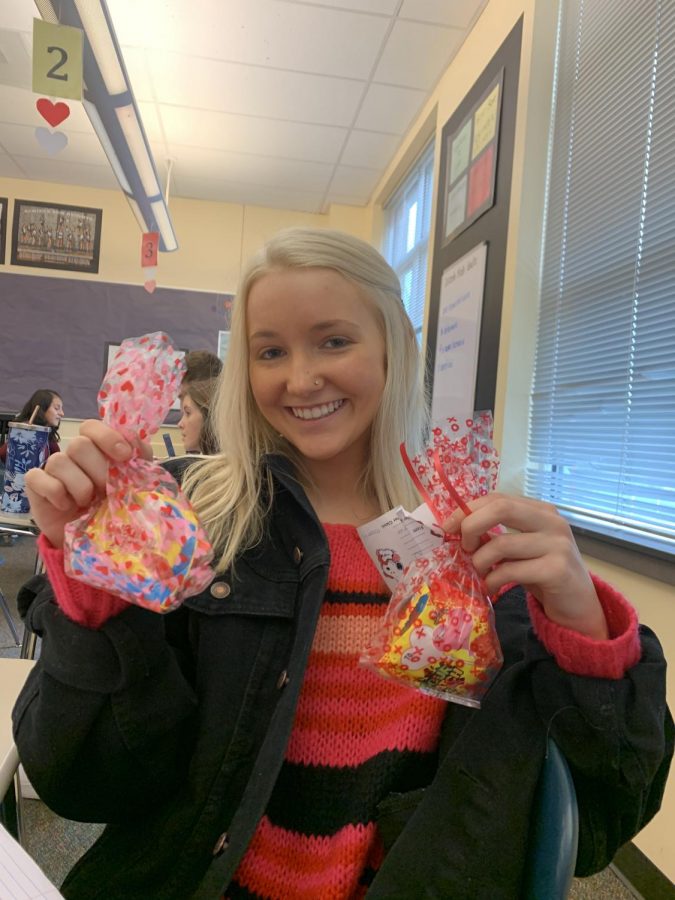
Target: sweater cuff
(85, 605)
(579, 654)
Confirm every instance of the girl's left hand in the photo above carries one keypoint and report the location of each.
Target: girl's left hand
(540, 553)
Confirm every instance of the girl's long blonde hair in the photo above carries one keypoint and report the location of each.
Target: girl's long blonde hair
(226, 490)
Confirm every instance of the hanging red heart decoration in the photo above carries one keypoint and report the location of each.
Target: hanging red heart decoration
(54, 113)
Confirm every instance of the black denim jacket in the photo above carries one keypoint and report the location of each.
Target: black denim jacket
(173, 730)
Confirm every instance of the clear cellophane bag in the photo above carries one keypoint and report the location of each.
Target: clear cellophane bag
(143, 541)
(438, 634)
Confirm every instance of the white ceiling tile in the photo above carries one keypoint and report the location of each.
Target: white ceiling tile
(151, 121)
(458, 13)
(249, 134)
(9, 169)
(254, 99)
(354, 181)
(196, 162)
(20, 140)
(160, 156)
(377, 7)
(346, 199)
(370, 149)
(416, 54)
(18, 15)
(63, 172)
(234, 192)
(249, 90)
(15, 63)
(298, 37)
(135, 64)
(389, 109)
(18, 106)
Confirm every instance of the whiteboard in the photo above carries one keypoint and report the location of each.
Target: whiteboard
(457, 335)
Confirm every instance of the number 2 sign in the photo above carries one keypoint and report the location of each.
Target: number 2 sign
(57, 60)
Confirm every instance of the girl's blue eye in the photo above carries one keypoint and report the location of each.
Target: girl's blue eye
(336, 342)
(270, 353)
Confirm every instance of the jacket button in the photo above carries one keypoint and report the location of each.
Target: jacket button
(221, 844)
(283, 680)
(297, 556)
(220, 589)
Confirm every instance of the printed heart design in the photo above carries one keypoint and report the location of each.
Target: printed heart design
(150, 286)
(54, 113)
(51, 141)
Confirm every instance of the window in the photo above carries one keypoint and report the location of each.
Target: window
(602, 416)
(406, 235)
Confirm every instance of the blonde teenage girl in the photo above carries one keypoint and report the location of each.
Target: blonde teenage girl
(236, 746)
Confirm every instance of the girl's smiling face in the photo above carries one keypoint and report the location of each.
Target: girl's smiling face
(316, 362)
(190, 424)
(54, 412)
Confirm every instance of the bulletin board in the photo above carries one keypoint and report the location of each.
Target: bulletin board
(472, 214)
(55, 332)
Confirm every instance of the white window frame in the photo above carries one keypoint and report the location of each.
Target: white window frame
(407, 228)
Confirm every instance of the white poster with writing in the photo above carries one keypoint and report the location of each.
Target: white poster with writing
(459, 316)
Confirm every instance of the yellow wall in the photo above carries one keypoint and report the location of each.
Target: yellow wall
(214, 237)
(654, 600)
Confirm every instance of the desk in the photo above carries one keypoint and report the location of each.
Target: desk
(17, 523)
(13, 674)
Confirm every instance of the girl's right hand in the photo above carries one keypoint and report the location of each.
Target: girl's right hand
(74, 478)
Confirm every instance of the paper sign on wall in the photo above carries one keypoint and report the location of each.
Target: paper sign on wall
(458, 334)
(57, 60)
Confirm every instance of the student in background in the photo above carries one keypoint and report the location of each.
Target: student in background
(195, 423)
(50, 412)
(201, 365)
(236, 746)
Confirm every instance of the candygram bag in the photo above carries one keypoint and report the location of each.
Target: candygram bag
(438, 634)
(143, 541)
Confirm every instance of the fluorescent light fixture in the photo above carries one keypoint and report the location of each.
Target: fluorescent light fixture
(164, 224)
(97, 124)
(111, 107)
(102, 43)
(138, 149)
(139, 217)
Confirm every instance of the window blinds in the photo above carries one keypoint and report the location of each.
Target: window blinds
(602, 417)
(406, 235)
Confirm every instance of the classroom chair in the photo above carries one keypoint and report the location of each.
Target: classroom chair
(554, 831)
(8, 615)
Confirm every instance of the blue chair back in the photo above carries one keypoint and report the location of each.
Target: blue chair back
(554, 831)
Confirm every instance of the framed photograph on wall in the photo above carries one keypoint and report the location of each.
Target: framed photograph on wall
(55, 236)
(4, 211)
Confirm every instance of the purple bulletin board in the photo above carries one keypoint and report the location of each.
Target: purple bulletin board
(54, 332)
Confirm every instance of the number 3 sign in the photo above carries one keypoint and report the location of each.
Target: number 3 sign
(57, 60)
(149, 247)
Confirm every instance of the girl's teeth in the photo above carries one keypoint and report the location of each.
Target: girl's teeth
(316, 412)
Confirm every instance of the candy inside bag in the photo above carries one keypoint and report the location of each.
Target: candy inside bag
(438, 634)
(143, 541)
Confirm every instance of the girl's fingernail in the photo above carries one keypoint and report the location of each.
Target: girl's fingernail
(121, 450)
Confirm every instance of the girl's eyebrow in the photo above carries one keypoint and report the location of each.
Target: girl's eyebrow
(319, 326)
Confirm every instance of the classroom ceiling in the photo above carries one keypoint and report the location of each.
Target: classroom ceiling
(294, 104)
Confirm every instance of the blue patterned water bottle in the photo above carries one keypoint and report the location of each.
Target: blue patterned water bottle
(27, 448)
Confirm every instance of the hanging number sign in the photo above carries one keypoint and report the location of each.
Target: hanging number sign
(57, 60)
(149, 248)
